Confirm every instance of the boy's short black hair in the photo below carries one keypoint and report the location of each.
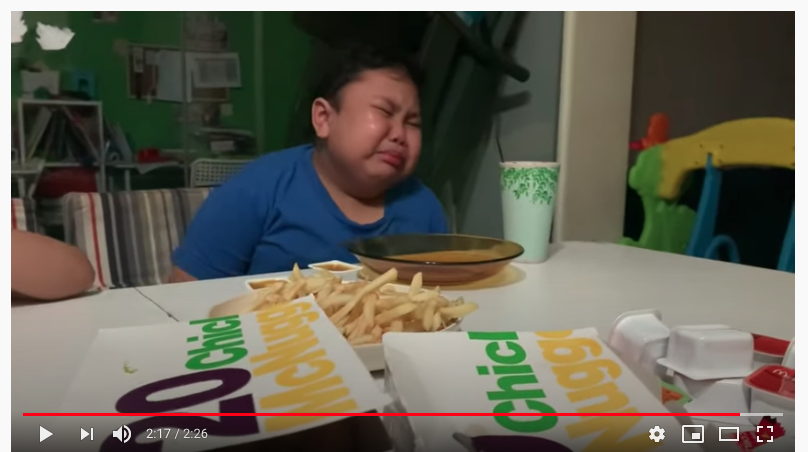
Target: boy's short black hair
(349, 60)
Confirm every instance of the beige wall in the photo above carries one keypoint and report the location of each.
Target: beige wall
(575, 109)
(593, 127)
(703, 68)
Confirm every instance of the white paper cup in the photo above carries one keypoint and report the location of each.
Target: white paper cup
(528, 192)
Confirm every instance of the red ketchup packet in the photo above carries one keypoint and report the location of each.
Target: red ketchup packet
(777, 380)
(770, 345)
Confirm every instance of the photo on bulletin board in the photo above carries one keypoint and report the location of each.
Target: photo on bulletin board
(155, 73)
(108, 17)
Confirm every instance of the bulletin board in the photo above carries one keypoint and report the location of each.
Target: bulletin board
(143, 76)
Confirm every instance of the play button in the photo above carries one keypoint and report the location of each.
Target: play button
(84, 433)
(44, 434)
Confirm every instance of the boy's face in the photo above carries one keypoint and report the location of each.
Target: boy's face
(375, 134)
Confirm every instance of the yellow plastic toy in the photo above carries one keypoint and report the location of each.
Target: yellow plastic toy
(660, 171)
(745, 142)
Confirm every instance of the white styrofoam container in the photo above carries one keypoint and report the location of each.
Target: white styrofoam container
(709, 352)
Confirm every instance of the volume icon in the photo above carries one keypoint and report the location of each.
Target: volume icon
(122, 433)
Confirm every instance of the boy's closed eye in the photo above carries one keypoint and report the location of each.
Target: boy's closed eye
(386, 111)
(389, 109)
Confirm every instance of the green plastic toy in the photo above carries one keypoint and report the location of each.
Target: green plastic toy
(667, 225)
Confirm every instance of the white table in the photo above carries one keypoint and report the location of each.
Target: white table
(49, 341)
(584, 285)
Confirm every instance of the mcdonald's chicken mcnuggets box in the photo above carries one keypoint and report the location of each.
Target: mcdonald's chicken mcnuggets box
(287, 359)
(509, 373)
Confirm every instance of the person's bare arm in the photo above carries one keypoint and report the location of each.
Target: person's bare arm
(178, 275)
(46, 269)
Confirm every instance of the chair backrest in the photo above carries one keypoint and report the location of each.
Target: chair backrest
(660, 172)
(788, 253)
(23, 215)
(129, 236)
(214, 172)
(762, 142)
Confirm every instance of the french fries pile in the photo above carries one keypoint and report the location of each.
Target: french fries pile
(361, 310)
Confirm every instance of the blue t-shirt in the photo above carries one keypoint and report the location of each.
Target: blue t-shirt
(276, 213)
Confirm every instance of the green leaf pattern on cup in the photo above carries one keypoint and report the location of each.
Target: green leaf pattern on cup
(537, 184)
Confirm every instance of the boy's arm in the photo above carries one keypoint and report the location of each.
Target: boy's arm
(179, 275)
(46, 269)
(222, 236)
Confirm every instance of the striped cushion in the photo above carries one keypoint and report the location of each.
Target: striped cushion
(23, 214)
(129, 236)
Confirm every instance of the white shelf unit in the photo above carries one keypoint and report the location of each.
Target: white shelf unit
(97, 146)
(27, 176)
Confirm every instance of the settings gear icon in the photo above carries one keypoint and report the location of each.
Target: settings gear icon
(656, 434)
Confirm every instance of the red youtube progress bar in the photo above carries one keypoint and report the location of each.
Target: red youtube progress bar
(377, 414)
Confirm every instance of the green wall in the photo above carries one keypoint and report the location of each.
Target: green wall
(284, 50)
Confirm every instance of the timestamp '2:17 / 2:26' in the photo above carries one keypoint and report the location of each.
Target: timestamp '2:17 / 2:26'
(176, 433)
